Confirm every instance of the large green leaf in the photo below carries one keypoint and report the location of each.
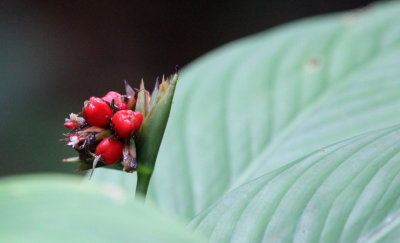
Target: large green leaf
(259, 103)
(347, 192)
(62, 209)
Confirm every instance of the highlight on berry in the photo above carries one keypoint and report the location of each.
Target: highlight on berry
(104, 132)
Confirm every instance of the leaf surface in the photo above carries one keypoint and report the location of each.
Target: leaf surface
(56, 208)
(347, 192)
(259, 103)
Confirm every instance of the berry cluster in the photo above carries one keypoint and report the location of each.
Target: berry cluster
(128, 128)
(104, 131)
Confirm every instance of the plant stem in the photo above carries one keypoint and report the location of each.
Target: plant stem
(143, 180)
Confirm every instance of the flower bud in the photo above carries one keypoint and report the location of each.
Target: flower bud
(151, 132)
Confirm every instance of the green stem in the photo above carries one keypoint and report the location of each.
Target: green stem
(143, 180)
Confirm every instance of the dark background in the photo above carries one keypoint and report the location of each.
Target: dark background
(56, 54)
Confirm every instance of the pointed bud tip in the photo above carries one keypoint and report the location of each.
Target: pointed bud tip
(157, 84)
(142, 85)
(128, 89)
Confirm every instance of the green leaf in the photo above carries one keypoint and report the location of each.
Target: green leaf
(56, 208)
(347, 192)
(255, 105)
(259, 103)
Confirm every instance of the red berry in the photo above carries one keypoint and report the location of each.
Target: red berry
(97, 112)
(117, 98)
(122, 106)
(126, 122)
(69, 125)
(110, 150)
(112, 95)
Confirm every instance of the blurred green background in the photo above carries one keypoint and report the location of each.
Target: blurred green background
(56, 54)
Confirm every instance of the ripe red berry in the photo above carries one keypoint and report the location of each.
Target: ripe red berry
(122, 106)
(112, 95)
(126, 122)
(97, 112)
(117, 98)
(110, 150)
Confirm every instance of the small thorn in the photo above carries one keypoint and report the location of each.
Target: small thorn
(96, 160)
